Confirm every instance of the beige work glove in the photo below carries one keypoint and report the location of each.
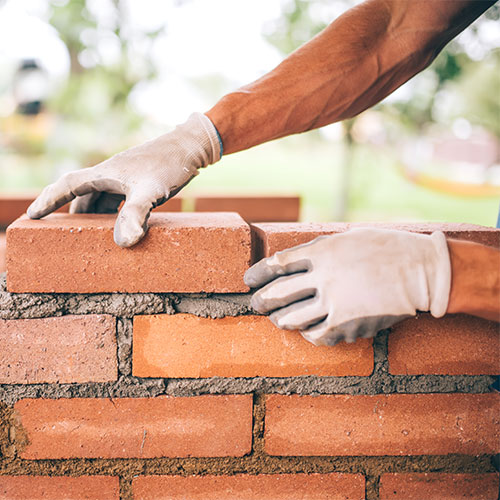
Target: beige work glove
(145, 175)
(352, 285)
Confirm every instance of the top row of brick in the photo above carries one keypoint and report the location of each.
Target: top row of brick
(182, 252)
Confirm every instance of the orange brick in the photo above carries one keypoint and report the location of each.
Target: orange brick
(395, 424)
(433, 486)
(182, 252)
(246, 487)
(59, 488)
(62, 350)
(184, 345)
(2, 252)
(270, 238)
(453, 345)
(203, 426)
(253, 208)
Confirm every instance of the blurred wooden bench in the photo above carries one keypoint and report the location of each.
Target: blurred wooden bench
(253, 208)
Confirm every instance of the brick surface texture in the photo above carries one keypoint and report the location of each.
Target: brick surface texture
(67, 349)
(253, 208)
(272, 237)
(182, 252)
(434, 486)
(395, 424)
(453, 345)
(248, 487)
(59, 488)
(204, 426)
(184, 345)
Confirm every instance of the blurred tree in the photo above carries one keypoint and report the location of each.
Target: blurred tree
(474, 82)
(107, 60)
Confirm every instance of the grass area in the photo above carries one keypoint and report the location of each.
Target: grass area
(310, 167)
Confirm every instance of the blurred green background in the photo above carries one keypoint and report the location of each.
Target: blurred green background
(108, 74)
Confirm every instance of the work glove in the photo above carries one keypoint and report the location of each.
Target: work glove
(351, 285)
(145, 176)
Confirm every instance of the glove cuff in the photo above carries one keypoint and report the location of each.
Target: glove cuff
(207, 137)
(441, 284)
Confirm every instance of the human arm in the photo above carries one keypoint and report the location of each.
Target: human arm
(351, 285)
(354, 63)
(475, 284)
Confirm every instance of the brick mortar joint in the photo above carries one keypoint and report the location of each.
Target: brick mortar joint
(133, 387)
(366, 465)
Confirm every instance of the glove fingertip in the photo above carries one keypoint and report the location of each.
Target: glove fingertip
(125, 236)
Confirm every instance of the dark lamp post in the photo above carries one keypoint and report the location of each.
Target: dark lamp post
(30, 87)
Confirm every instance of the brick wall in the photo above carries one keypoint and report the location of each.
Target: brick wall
(144, 373)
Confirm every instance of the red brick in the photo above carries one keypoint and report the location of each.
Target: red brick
(2, 252)
(182, 252)
(246, 487)
(433, 486)
(203, 426)
(253, 208)
(59, 488)
(270, 238)
(453, 345)
(395, 424)
(62, 350)
(183, 345)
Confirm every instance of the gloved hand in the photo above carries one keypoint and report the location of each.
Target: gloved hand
(145, 175)
(351, 285)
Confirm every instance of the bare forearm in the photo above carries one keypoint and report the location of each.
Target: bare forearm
(475, 279)
(353, 64)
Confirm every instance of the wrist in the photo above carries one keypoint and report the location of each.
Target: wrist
(475, 282)
(200, 140)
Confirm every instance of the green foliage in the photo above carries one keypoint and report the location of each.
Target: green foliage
(294, 27)
(478, 91)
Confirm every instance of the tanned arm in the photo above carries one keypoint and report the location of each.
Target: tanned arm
(475, 279)
(354, 63)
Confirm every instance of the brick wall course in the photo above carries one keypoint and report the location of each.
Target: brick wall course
(454, 345)
(59, 488)
(69, 349)
(204, 426)
(250, 487)
(273, 237)
(395, 424)
(442, 416)
(435, 486)
(77, 254)
(185, 346)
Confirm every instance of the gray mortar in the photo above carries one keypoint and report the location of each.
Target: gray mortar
(124, 344)
(125, 387)
(215, 305)
(44, 305)
(125, 306)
